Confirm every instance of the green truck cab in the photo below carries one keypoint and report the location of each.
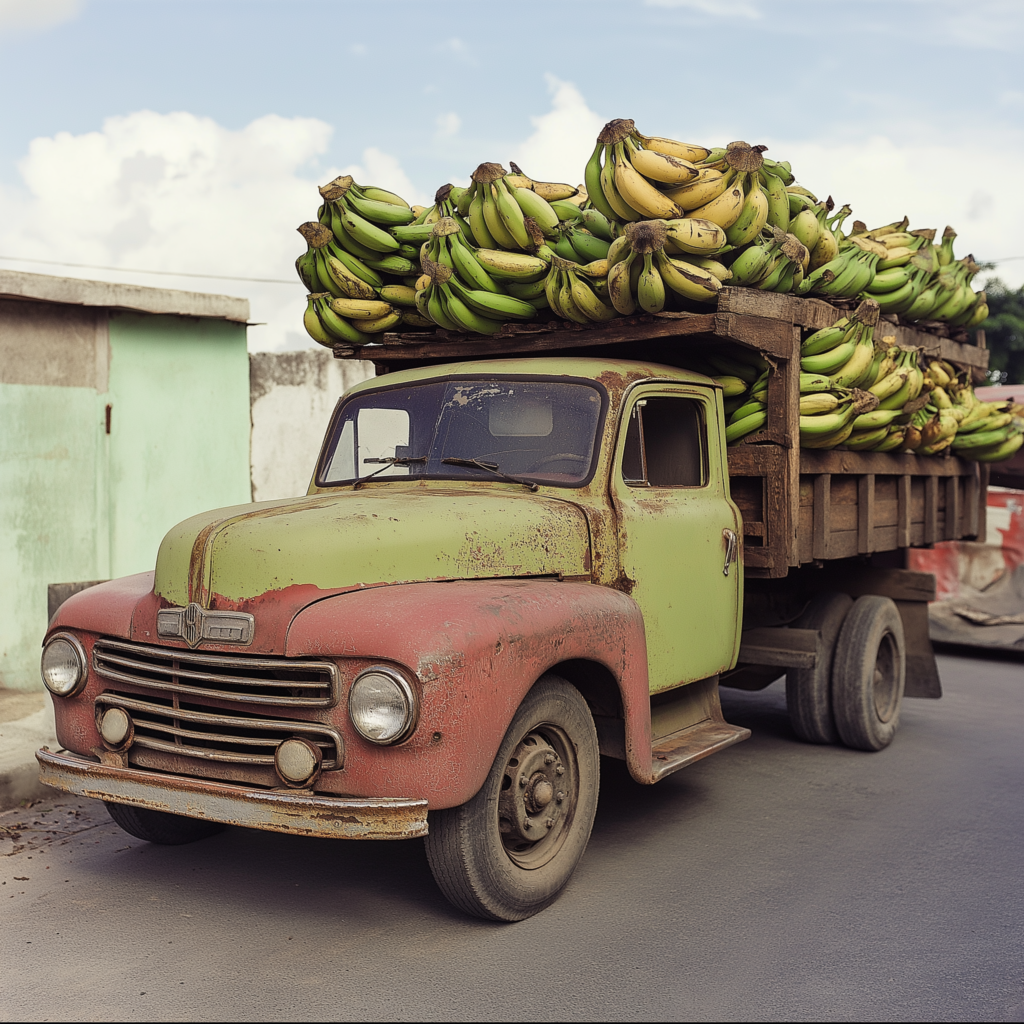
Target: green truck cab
(502, 569)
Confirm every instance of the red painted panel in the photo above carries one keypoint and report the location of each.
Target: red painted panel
(475, 648)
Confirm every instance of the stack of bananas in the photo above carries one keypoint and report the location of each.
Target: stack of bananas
(359, 274)
(458, 291)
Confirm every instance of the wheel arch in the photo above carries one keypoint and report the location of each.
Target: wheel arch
(477, 648)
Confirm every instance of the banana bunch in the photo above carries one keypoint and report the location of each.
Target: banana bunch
(458, 291)
(348, 302)
(500, 208)
(990, 431)
(630, 177)
(579, 293)
(362, 220)
(774, 263)
(641, 274)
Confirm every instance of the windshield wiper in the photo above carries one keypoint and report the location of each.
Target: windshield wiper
(490, 467)
(401, 460)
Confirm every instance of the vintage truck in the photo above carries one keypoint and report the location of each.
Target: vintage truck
(516, 554)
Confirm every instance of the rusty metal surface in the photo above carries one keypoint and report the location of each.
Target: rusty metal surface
(237, 733)
(475, 649)
(298, 812)
(263, 681)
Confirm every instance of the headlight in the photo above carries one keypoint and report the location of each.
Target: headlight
(63, 665)
(382, 706)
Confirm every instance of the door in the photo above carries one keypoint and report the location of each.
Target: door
(678, 530)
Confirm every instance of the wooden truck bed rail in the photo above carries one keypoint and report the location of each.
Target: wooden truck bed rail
(799, 506)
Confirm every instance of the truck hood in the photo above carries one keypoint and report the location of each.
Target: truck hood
(391, 533)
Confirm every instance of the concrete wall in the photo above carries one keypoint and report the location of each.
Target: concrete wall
(293, 395)
(77, 503)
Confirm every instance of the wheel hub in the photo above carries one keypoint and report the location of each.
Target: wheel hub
(537, 798)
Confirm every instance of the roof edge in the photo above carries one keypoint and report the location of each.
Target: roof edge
(73, 291)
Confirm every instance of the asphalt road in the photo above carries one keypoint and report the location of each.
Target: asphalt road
(773, 881)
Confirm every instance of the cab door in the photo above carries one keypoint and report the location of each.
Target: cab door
(678, 531)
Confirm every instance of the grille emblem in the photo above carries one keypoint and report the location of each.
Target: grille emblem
(195, 624)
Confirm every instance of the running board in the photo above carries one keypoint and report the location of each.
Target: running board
(678, 749)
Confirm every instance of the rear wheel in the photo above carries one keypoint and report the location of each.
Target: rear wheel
(510, 851)
(869, 674)
(809, 690)
(159, 826)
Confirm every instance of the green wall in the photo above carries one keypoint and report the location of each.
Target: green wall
(179, 441)
(78, 504)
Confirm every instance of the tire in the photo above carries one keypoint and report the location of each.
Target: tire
(159, 826)
(809, 690)
(869, 674)
(482, 854)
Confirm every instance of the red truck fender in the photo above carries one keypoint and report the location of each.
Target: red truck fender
(476, 648)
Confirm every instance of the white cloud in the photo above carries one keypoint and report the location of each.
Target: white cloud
(174, 192)
(384, 171)
(562, 139)
(883, 179)
(716, 8)
(36, 15)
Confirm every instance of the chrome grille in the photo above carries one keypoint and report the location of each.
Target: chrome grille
(194, 731)
(282, 682)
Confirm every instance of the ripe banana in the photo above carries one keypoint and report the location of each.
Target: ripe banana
(639, 193)
(695, 235)
(514, 266)
(687, 280)
(670, 170)
(724, 209)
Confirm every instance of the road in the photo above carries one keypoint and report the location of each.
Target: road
(773, 881)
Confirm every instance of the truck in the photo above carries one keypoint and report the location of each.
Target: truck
(517, 554)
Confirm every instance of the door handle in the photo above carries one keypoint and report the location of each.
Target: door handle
(731, 545)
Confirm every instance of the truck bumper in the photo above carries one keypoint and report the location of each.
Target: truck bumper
(298, 812)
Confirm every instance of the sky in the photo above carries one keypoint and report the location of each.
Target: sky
(188, 137)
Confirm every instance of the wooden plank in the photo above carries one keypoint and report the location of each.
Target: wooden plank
(903, 515)
(952, 508)
(881, 464)
(866, 514)
(973, 493)
(793, 500)
(842, 544)
(514, 339)
(931, 510)
(822, 515)
(774, 337)
(811, 313)
(899, 584)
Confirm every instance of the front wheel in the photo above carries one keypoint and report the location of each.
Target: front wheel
(510, 851)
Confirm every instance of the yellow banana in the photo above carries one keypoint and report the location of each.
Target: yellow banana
(687, 280)
(639, 193)
(380, 323)
(588, 303)
(660, 167)
(669, 147)
(708, 185)
(695, 235)
(818, 402)
(619, 291)
(723, 210)
(889, 384)
(360, 309)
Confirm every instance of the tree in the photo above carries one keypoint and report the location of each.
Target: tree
(1004, 332)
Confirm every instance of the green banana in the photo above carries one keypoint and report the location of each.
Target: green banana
(650, 288)
(492, 305)
(384, 214)
(830, 361)
(741, 428)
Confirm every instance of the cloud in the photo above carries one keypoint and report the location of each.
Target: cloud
(716, 8)
(36, 15)
(382, 169)
(562, 139)
(176, 192)
(883, 179)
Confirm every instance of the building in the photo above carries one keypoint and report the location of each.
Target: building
(123, 410)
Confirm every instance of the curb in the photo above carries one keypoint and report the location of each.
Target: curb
(19, 770)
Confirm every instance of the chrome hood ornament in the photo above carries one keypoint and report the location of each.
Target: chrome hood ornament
(195, 624)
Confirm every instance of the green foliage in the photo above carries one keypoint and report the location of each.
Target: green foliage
(1004, 332)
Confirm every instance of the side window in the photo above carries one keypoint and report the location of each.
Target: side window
(666, 444)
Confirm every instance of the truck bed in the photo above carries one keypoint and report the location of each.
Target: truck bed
(799, 506)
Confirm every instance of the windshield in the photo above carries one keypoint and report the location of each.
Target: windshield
(526, 431)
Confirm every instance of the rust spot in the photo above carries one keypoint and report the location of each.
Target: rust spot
(623, 583)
